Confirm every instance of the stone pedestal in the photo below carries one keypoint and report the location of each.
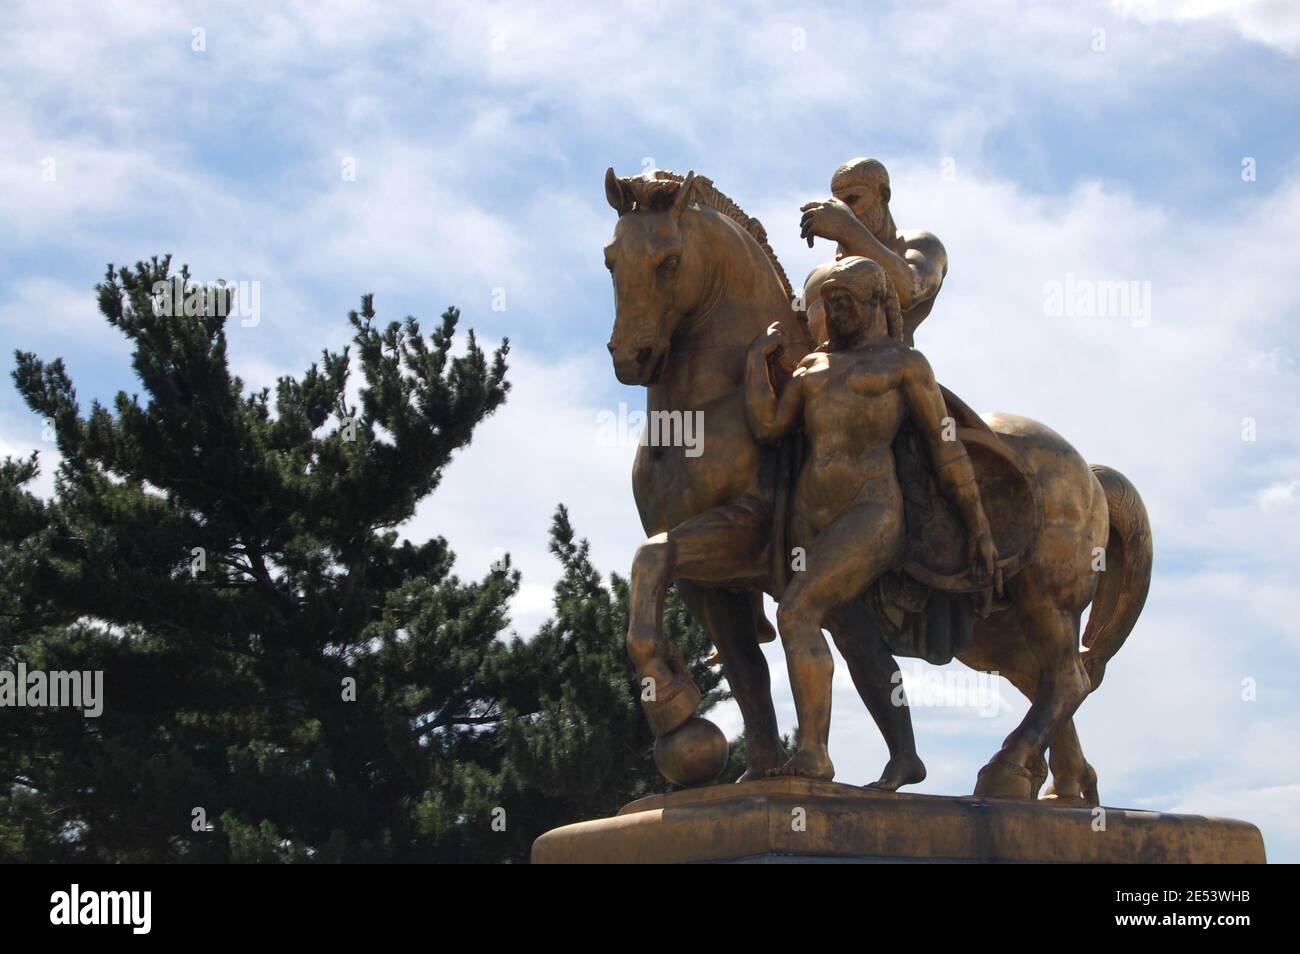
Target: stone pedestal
(784, 820)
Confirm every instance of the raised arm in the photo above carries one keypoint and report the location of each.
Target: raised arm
(951, 462)
(916, 274)
(770, 417)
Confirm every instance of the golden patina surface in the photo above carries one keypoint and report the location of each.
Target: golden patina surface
(808, 407)
(833, 473)
(817, 820)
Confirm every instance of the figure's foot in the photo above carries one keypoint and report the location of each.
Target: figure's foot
(808, 763)
(900, 770)
(1002, 778)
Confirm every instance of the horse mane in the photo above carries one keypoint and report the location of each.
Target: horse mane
(657, 194)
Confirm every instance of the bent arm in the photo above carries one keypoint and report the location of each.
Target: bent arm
(952, 464)
(916, 274)
(771, 417)
(901, 272)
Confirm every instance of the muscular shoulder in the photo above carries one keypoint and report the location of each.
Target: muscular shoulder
(915, 367)
(925, 245)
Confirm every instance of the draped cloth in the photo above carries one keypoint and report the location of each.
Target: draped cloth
(927, 608)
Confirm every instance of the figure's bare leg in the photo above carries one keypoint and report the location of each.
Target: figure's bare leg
(875, 675)
(722, 544)
(1062, 685)
(857, 547)
(728, 617)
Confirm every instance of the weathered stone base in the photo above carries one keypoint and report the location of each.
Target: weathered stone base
(784, 820)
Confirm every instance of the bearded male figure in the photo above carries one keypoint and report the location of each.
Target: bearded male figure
(857, 218)
(850, 399)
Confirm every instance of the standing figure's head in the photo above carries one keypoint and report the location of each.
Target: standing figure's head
(860, 303)
(863, 185)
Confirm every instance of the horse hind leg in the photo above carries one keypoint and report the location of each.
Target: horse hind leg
(1074, 781)
(1026, 680)
(1000, 648)
(1062, 684)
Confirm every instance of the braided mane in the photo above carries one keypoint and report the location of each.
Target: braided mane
(657, 194)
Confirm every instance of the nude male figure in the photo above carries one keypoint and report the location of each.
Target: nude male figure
(857, 218)
(851, 399)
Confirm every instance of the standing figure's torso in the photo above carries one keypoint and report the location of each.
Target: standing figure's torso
(853, 409)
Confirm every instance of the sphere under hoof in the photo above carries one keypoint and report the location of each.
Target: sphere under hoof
(695, 753)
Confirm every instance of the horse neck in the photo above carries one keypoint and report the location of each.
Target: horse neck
(741, 297)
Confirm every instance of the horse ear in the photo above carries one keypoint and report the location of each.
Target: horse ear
(683, 198)
(616, 193)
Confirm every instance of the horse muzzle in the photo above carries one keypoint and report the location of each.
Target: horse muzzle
(638, 366)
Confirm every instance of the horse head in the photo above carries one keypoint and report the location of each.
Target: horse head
(659, 277)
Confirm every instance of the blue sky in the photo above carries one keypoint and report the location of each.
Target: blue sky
(1103, 141)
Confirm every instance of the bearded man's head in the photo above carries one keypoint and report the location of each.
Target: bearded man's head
(863, 185)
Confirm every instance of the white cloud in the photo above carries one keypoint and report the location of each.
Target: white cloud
(1274, 23)
(1279, 494)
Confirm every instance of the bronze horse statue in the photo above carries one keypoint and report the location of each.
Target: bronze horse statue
(695, 283)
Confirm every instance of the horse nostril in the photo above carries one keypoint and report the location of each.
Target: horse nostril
(643, 355)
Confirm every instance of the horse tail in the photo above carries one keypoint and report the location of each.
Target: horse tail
(1122, 590)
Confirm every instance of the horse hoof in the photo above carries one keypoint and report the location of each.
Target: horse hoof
(672, 706)
(1002, 779)
(1078, 791)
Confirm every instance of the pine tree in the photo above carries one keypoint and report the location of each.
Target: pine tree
(285, 680)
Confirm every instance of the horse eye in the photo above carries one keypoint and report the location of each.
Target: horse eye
(669, 264)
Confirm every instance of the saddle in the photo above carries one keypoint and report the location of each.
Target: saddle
(927, 609)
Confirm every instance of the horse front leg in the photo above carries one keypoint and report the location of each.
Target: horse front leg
(735, 625)
(668, 694)
(724, 544)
